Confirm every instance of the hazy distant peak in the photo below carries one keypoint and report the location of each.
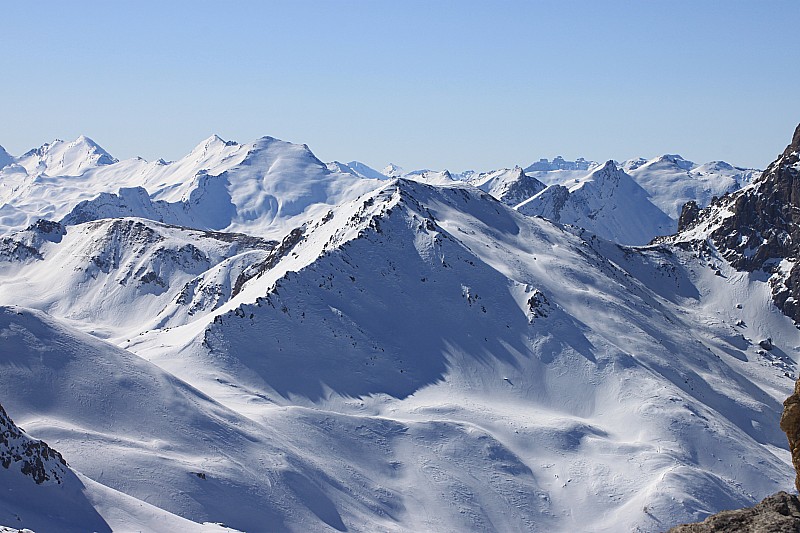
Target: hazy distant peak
(559, 163)
(393, 171)
(677, 160)
(5, 158)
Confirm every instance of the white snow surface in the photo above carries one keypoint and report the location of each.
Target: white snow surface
(607, 202)
(266, 187)
(250, 337)
(510, 186)
(420, 358)
(672, 180)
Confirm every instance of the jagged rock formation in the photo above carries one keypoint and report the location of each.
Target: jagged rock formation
(758, 228)
(689, 214)
(34, 458)
(779, 513)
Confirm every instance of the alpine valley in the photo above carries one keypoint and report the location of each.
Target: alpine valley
(249, 339)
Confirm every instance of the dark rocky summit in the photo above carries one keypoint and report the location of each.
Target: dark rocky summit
(759, 227)
(34, 458)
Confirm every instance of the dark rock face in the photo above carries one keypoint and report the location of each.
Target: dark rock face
(689, 214)
(36, 459)
(779, 513)
(764, 227)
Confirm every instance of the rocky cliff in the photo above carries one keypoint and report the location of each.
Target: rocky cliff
(33, 458)
(758, 227)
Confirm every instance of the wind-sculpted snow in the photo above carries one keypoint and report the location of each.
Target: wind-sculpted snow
(262, 188)
(397, 355)
(623, 379)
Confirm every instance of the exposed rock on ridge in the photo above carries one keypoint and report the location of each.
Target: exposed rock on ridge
(35, 458)
(758, 227)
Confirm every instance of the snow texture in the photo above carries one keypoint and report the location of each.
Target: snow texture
(250, 337)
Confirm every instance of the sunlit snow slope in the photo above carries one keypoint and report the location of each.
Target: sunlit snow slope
(419, 356)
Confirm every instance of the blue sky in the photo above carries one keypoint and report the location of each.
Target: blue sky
(436, 83)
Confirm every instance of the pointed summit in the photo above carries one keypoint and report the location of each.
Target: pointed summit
(5, 158)
(215, 143)
(93, 150)
(61, 158)
(510, 186)
(393, 171)
(607, 202)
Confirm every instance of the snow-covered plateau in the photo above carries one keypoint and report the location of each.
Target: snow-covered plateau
(249, 339)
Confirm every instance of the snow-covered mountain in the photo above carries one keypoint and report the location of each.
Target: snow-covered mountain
(392, 171)
(61, 158)
(265, 187)
(365, 170)
(672, 181)
(756, 228)
(5, 158)
(607, 202)
(559, 163)
(510, 186)
(251, 337)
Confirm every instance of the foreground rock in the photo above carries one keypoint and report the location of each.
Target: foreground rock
(779, 513)
(790, 424)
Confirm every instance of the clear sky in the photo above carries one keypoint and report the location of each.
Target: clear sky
(441, 84)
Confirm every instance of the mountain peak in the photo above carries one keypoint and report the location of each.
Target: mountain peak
(676, 160)
(758, 227)
(393, 171)
(5, 158)
(60, 158)
(215, 142)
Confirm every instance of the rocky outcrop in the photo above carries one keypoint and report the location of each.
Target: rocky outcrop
(790, 424)
(758, 227)
(779, 513)
(765, 228)
(689, 214)
(34, 458)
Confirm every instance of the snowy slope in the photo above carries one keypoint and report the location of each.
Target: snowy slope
(672, 181)
(492, 328)
(119, 274)
(61, 158)
(395, 355)
(393, 171)
(607, 202)
(365, 170)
